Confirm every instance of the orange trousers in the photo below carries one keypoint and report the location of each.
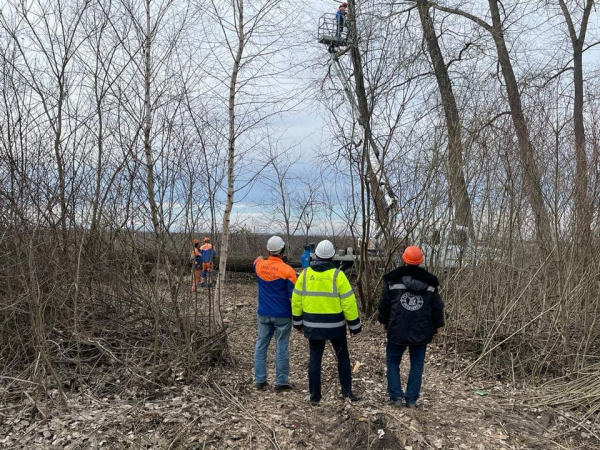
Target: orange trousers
(196, 280)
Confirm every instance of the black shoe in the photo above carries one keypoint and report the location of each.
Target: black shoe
(396, 402)
(352, 397)
(261, 386)
(283, 387)
(314, 402)
(411, 405)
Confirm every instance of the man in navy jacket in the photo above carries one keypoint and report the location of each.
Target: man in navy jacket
(411, 311)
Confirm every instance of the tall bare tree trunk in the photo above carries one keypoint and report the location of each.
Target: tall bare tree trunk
(583, 208)
(458, 186)
(526, 151)
(148, 125)
(531, 172)
(59, 161)
(230, 167)
(378, 192)
(100, 146)
(147, 128)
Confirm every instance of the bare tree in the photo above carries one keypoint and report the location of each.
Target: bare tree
(527, 154)
(54, 37)
(456, 179)
(583, 210)
(253, 34)
(379, 190)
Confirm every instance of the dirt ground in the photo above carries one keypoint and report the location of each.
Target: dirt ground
(223, 410)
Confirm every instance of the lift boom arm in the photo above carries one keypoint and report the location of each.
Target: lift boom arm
(383, 183)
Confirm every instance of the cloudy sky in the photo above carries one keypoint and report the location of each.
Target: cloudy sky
(303, 132)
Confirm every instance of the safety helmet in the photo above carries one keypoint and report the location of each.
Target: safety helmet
(325, 249)
(275, 244)
(195, 241)
(206, 239)
(412, 255)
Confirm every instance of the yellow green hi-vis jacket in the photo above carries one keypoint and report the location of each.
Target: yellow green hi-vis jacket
(323, 302)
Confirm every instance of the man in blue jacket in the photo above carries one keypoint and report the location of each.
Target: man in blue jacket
(276, 282)
(340, 20)
(411, 310)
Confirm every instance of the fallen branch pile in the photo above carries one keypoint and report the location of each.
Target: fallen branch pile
(581, 390)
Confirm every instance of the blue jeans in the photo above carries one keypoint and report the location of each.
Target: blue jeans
(267, 326)
(394, 354)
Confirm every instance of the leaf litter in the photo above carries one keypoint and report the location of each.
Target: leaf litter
(221, 409)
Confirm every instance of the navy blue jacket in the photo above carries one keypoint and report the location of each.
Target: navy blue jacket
(411, 306)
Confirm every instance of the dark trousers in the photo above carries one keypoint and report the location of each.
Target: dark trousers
(340, 347)
(394, 354)
(339, 27)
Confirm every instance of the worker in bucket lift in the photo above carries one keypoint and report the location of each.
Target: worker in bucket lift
(411, 310)
(196, 260)
(340, 20)
(207, 253)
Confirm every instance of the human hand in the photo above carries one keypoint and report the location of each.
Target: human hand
(352, 334)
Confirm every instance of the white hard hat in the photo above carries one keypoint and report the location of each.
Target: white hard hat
(325, 249)
(275, 244)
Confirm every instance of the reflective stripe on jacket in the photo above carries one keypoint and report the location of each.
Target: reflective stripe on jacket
(411, 306)
(323, 302)
(275, 284)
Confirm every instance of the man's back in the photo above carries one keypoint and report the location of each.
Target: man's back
(411, 305)
(207, 251)
(276, 282)
(325, 302)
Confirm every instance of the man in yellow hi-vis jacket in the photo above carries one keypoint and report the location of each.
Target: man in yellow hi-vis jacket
(322, 304)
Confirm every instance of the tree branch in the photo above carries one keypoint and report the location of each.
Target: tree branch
(459, 12)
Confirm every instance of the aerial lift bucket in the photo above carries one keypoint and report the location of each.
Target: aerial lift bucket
(330, 33)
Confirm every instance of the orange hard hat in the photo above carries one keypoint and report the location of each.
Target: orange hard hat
(206, 239)
(195, 241)
(412, 255)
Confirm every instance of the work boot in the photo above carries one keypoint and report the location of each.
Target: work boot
(411, 405)
(396, 402)
(261, 386)
(284, 387)
(352, 397)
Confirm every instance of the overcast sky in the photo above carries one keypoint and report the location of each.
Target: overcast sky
(304, 131)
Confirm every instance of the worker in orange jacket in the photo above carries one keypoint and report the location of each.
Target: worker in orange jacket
(276, 282)
(207, 253)
(196, 260)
